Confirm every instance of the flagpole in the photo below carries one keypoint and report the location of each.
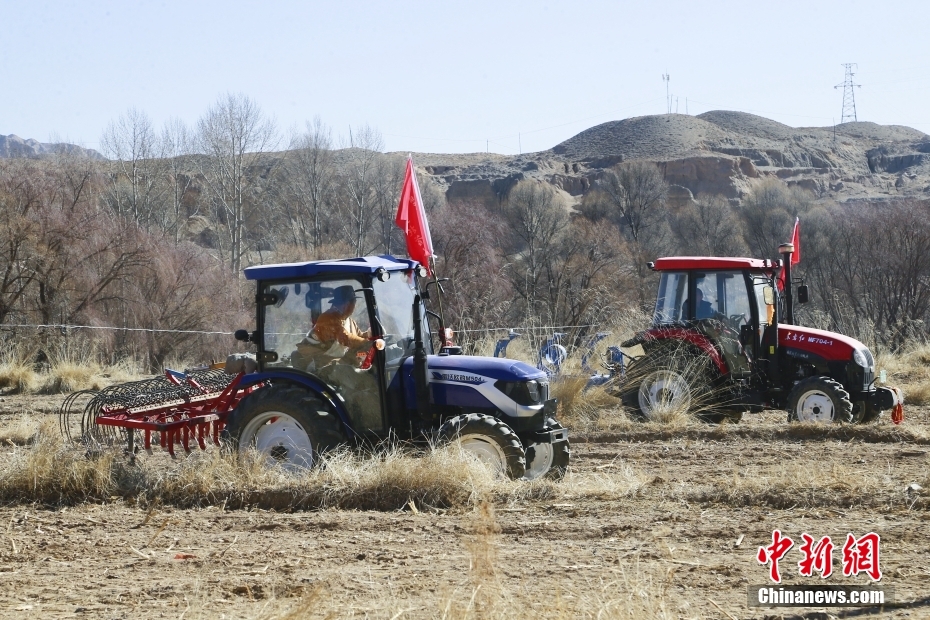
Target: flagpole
(442, 317)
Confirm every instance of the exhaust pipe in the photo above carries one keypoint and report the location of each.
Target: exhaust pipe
(786, 250)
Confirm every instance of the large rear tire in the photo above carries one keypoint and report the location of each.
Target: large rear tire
(547, 460)
(666, 384)
(287, 425)
(821, 400)
(489, 439)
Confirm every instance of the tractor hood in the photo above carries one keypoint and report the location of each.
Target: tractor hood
(472, 368)
(830, 346)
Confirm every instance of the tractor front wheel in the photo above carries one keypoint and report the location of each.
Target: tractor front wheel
(287, 425)
(489, 439)
(547, 460)
(819, 399)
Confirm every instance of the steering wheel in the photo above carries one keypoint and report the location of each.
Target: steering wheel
(738, 320)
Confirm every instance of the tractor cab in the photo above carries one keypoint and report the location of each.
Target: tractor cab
(722, 300)
(346, 355)
(372, 299)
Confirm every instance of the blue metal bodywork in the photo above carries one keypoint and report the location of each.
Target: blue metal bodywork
(368, 265)
(313, 384)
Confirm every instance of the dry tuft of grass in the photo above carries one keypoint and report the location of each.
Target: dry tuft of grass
(24, 430)
(66, 371)
(18, 377)
(66, 377)
(54, 473)
(909, 370)
(579, 405)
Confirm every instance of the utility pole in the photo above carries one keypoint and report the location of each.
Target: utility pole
(668, 102)
(849, 94)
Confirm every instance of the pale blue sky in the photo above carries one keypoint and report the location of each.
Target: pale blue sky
(446, 76)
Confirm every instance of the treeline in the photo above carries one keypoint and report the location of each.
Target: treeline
(156, 236)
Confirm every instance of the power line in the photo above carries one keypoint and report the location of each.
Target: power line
(849, 94)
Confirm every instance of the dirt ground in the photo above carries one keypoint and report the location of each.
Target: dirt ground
(681, 544)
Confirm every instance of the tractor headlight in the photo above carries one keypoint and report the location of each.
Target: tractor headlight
(525, 392)
(863, 358)
(532, 387)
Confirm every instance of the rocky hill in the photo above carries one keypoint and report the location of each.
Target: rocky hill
(14, 146)
(717, 152)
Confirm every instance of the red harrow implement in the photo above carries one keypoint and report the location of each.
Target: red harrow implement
(180, 407)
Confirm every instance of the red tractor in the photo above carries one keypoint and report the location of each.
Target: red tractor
(723, 341)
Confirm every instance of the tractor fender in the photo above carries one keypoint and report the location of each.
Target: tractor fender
(311, 383)
(693, 338)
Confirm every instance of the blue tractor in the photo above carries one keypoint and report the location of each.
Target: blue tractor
(398, 386)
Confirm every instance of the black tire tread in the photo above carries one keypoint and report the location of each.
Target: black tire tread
(561, 455)
(325, 431)
(842, 405)
(665, 357)
(483, 424)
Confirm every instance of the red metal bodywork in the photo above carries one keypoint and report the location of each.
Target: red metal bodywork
(690, 336)
(688, 263)
(830, 346)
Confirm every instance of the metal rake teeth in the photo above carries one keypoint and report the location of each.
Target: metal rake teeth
(153, 393)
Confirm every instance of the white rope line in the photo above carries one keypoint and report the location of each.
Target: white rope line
(541, 328)
(126, 329)
(191, 331)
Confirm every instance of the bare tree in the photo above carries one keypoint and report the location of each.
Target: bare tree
(134, 184)
(232, 136)
(535, 218)
(177, 143)
(388, 180)
(634, 193)
(310, 177)
(357, 176)
(768, 212)
(708, 227)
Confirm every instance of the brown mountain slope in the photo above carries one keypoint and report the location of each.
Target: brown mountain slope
(718, 152)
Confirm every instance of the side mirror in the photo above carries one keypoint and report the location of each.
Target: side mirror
(243, 335)
(768, 295)
(803, 294)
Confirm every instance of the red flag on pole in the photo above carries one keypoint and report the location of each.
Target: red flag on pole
(411, 218)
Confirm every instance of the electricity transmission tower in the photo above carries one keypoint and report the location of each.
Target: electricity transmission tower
(849, 95)
(668, 100)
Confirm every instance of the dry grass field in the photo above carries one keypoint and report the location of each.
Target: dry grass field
(657, 520)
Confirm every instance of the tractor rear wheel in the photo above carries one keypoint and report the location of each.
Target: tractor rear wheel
(287, 425)
(547, 460)
(663, 386)
(489, 439)
(819, 399)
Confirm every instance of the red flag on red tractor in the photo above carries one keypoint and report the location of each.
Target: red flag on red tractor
(411, 218)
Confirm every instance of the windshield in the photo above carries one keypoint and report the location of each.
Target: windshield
(673, 289)
(289, 321)
(395, 311)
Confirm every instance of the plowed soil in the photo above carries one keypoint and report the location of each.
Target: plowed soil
(681, 544)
